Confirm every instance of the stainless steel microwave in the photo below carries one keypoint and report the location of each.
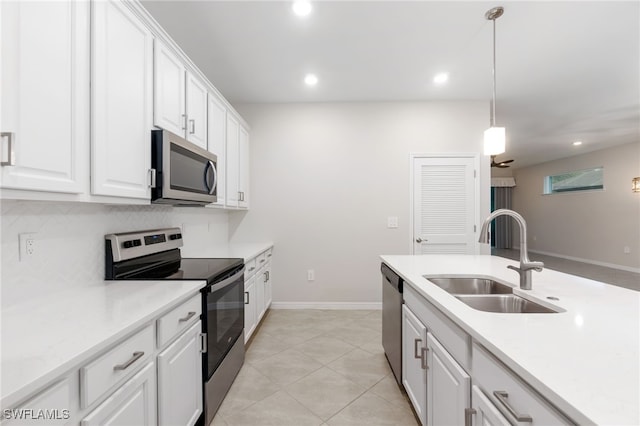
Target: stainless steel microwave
(185, 174)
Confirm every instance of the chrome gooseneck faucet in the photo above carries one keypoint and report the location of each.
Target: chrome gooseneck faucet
(525, 264)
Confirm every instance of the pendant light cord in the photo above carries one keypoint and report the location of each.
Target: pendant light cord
(493, 105)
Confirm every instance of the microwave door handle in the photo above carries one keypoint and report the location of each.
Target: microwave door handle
(215, 177)
(209, 166)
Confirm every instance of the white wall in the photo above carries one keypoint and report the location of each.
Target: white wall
(70, 241)
(591, 225)
(324, 179)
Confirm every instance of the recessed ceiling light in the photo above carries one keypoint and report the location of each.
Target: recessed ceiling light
(577, 143)
(302, 8)
(441, 78)
(310, 79)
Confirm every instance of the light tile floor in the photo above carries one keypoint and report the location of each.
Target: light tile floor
(617, 277)
(316, 367)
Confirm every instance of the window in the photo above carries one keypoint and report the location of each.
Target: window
(580, 180)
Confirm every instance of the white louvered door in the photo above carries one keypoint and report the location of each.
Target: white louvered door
(444, 205)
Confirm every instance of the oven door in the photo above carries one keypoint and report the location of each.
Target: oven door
(184, 171)
(224, 320)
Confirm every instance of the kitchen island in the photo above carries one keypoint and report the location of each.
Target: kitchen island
(583, 360)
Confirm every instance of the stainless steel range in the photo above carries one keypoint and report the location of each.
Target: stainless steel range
(155, 255)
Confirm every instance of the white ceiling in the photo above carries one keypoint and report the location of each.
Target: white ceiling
(565, 70)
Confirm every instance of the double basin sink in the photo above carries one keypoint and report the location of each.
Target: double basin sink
(488, 295)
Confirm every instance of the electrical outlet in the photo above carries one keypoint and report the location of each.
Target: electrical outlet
(311, 275)
(627, 250)
(27, 245)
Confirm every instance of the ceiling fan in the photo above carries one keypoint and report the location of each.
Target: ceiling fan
(500, 164)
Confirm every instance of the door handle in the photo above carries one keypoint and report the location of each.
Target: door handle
(419, 240)
(193, 126)
(416, 355)
(10, 154)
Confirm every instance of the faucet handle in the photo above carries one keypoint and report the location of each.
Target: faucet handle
(515, 268)
(536, 266)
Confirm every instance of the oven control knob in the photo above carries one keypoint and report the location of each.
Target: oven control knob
(137, 243)
(175, 236)
(128, 244)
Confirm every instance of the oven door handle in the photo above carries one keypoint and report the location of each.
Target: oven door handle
(226, 282)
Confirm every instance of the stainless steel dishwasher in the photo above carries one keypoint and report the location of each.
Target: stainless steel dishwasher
(392, 320)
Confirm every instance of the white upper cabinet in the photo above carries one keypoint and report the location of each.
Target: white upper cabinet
(217, 135)
(121, 101)
(233, 162)
(196, 111)
(45, 95)
(169, 110)
(180, 98)
(243, 179)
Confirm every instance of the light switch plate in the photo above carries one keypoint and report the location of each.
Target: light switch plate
(392, 222)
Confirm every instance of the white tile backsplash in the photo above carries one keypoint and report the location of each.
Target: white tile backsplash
(70, 240)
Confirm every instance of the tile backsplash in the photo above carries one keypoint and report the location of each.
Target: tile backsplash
(69, 240)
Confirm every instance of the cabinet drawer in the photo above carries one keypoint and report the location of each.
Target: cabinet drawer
(510, 394)
(179, 319)
(261, 259)
(134, 403)
(55, 398)
(268, 254)
(114, 366)
(250, 268)
(452, 337)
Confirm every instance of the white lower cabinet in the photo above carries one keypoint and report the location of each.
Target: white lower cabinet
(134, 403)
(483, 412)
(250, 317)
(180, 380)
(448, 386)
(268, 286)
(414, 372)
(261, 280)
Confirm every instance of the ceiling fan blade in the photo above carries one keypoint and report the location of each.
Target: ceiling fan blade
(502, 166)
(506, 162)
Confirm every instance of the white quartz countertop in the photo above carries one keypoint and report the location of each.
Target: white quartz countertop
(44, 338)
(585, 360)
(245, 251)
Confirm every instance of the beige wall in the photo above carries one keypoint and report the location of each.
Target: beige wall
(590, 225)
(325, 177)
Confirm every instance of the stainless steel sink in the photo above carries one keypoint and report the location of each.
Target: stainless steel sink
(457, 285)
(505, 304)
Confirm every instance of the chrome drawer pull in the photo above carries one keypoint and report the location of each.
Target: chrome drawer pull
(252, 268)
(423, 358)
(136, 356)
(416, 355)
(10, 153)
(188, 317)
(502, 397)
(261, 260)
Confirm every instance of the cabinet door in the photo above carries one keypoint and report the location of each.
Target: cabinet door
(196, 111)
(121, 101)
(414, 374)
(261, 281)
(250, 318)
(484, 412)
(268, 288)
(180, 380)
(448, 386)
(169, 108)
(243, 183)
(134, 403)
(216, 141)
(45, 95)
(233, 161)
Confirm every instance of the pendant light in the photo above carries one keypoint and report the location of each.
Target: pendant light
(494, 137)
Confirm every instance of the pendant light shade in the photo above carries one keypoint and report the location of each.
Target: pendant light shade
(494, 136)
(494, 140)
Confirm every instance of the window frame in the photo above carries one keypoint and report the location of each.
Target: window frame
(547, 186)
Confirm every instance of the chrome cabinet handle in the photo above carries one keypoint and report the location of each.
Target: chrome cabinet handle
(188, 317)
(184, 121)
(423, 358)
(502, 398)
(136, 356)
(468, 413)
(416, 355)
(246, 302)
(268, 275)
(193, 126)
(261, 260)
(269, 255)
(10, 153)
(252, 268)
(203, 341)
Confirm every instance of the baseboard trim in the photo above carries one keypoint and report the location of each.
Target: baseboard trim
(592, 262)
(327, 305)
